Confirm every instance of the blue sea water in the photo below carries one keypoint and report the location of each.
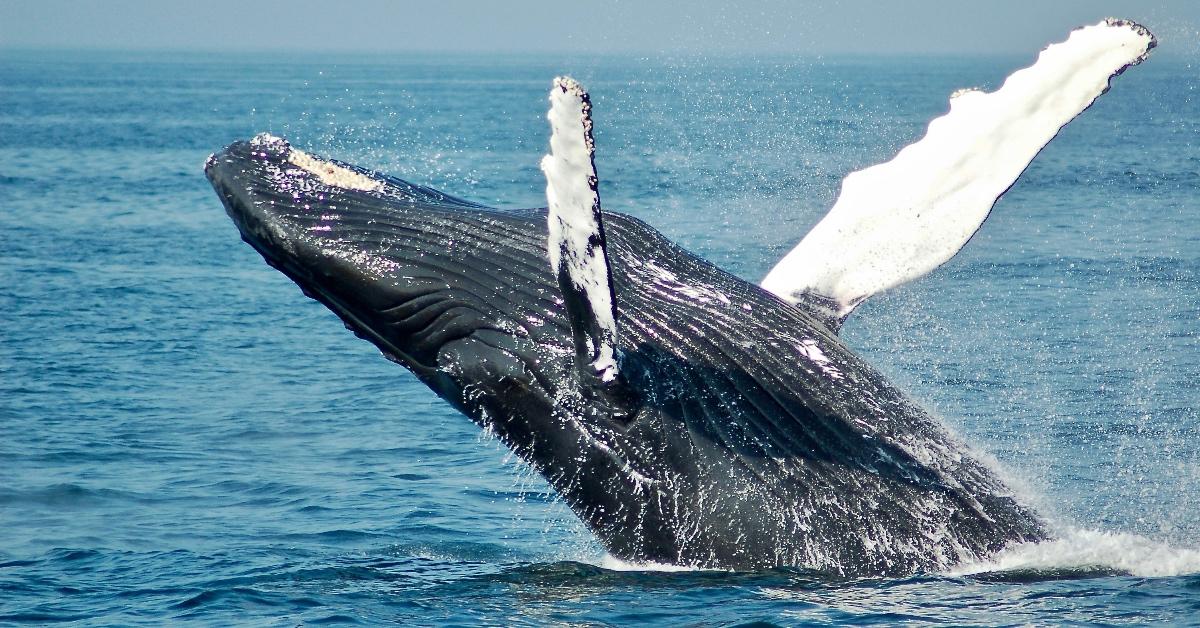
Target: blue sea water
(184, 436)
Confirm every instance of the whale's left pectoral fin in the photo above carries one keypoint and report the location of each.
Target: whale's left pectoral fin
(899, 220)
(577, 248)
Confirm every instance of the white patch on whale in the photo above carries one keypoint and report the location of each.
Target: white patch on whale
(899, 220)
(332, 174)
(574, 216)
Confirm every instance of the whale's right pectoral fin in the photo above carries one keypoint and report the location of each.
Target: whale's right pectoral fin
(577, 249)
(899, 220)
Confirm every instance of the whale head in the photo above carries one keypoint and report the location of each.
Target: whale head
(413, 276)
(459, 294)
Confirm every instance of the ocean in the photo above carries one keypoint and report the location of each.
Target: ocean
(185, 437)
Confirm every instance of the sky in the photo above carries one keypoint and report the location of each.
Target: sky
(718, 27)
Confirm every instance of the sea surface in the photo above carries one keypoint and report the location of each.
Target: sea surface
(185, 437)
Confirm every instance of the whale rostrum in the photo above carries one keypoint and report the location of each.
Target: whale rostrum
(685, 415)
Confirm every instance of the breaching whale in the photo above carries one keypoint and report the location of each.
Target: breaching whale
(685, 415)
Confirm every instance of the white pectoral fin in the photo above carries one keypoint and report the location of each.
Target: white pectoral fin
(899, 220)
(576, 244)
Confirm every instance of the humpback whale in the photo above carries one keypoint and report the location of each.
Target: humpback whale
(685, 415)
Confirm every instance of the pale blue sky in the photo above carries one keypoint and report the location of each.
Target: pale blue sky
(648, 26)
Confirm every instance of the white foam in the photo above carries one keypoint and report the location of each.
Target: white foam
(897, 221)
(613, 563)
(1080, 548)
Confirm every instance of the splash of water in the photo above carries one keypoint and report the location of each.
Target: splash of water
(612, 563)
(1083, 548)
